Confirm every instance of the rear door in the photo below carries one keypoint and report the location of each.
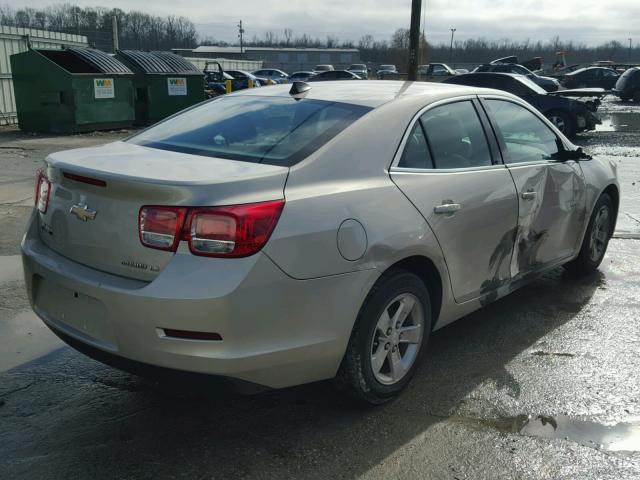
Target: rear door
(550, 193)
(448, 167)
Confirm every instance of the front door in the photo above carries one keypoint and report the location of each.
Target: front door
(550, 193)
(448, 172)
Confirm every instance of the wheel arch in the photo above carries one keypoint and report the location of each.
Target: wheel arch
(614, 193)
(424, 268)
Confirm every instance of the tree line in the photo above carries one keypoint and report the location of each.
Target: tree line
(136, 30)
(469, 51)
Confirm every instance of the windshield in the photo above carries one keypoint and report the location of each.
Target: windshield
(323, 67)
(357, 66)
(273, 130)
(387, 67)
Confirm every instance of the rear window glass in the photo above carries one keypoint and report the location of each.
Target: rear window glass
(273, 130)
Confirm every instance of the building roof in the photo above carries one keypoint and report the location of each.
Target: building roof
(216, 49)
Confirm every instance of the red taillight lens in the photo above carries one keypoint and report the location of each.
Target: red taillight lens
(160, 227)
(232, 231)
(43, 189)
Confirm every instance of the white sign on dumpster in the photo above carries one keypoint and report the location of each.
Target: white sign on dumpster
(177, 86)
(103, 88)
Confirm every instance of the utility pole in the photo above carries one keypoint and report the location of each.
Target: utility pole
(240, 33)
(114, 32)
(414, 40)
(453, 30)
(630, 43)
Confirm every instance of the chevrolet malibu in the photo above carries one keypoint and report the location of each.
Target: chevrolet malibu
(305, 232)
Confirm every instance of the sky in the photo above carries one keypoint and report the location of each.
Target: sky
(588, 21)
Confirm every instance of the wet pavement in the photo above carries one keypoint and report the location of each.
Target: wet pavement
(543, 384)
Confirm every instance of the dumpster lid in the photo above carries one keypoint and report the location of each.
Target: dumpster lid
(100, 60)
(177, 63)
(146, 61)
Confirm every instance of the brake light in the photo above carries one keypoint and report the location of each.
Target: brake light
(232, 231)
(160, 227)
(229, 231)
(43, 189)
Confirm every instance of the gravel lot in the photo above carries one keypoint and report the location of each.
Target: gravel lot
(543, 384)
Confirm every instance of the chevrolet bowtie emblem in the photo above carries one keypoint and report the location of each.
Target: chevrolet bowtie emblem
(83, 212)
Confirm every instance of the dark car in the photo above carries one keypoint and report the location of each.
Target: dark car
(244, 78)
(301, 76)
(569, 116)
(334, 75)
(548, 83)
(628, 85)
(359, 69)
(599, 77)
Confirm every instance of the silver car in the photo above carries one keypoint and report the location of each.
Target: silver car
(300, 233)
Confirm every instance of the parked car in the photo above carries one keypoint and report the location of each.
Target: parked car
(273, 74)
(628, 85)
(322, 68)
(436, 72)
(386, 70)
(276, 237)
(568, 115)
(334, 75)
(360, 69)
(244, 77)
(301, 76)
(591, 77)
(548, 83)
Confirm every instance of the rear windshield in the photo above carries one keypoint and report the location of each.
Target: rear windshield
(273, 130)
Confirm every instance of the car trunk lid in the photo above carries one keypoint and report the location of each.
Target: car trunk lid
(96, 195)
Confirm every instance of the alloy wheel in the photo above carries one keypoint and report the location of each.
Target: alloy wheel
(397, 337)
(599, 233)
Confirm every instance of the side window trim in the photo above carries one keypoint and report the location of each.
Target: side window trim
(495, 161)
(498, 134)
(490, 134)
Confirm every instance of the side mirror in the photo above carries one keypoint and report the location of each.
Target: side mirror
(577, 154)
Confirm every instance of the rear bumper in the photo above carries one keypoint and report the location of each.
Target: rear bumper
(276, 331)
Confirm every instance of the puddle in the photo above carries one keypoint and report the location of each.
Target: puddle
(619, 122)
(616, 437)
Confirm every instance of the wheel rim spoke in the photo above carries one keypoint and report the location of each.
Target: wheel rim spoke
(396, 367)
(378, 358)
(412, 334)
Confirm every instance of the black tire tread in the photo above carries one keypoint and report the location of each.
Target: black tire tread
(350, 378)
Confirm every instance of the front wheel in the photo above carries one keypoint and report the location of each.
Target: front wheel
(563, 122)
(388, 337)
(596, 238)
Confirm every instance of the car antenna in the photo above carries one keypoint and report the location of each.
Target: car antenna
(299, 90)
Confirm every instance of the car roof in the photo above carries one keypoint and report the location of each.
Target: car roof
(373, 93)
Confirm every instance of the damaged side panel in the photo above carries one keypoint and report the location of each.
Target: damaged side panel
(552, 214)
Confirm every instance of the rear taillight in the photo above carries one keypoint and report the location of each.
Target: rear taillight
(230, 231)
(160, 227)
(43, 189)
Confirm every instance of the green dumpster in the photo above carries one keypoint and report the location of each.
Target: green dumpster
(165, 83)
(71, 90)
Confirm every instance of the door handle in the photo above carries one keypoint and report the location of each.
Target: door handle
(447, 208)
(528, 195)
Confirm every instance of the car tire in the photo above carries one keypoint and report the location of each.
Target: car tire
(563, 122)
(367, 372)
(596, 238)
